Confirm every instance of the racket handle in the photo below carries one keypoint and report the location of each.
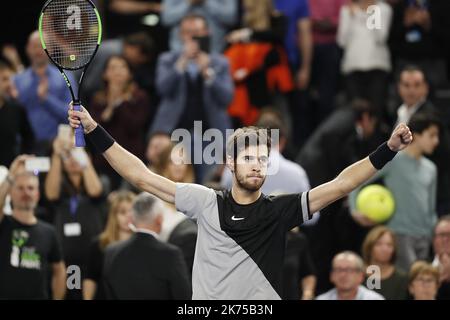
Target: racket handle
(79, 132)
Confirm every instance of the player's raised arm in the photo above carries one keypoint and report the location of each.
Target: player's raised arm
(359, 172)
(123, 162)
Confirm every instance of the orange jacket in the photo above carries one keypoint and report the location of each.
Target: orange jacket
(250, 57)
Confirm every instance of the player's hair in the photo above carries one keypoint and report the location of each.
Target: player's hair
(372, 237)
(245, 137)
(423, 121)
(272, 119)
(111, 232)
(423, 268)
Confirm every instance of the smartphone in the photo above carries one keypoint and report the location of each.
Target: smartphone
(203, 43)
(37, 164)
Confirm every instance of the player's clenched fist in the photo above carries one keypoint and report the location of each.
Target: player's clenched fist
(400, 138)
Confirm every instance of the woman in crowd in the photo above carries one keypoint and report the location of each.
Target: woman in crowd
(423, 281)
(117, 229)
(123, 109)
(379, 250)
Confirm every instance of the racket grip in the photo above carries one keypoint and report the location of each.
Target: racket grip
(79, 132)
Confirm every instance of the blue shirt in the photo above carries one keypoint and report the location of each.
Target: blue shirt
(45, 115)
(294, 11)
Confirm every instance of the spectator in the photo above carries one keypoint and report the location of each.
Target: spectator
(16, 135)
(204, 76)
(418, 36)
(347, 275)
(219, 14)
(366, 62)
(258, 62)
(124, 109)
(157, 143)
(380, 249)
(117, 229)
(140, 52)
(12, 56)
(441, 248)
(177, 229)
(412, 179)
(326, 56)
(423, 281)
(44, 94)
(414, 89)
(143, 267)
(30, 250)
(74, 190)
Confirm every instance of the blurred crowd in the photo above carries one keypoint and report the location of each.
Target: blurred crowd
(334, 76)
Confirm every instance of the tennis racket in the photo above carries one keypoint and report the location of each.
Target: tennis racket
(70, 33)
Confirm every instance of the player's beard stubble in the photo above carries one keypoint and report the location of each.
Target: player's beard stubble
(247, 181)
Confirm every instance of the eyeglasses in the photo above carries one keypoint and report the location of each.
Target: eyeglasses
(425, 281)
(345, 270)
(443, 235)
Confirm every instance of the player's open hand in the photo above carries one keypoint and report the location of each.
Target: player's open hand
(83, 116)
(400, 138)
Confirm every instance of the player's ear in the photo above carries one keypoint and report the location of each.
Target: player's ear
(230, 163)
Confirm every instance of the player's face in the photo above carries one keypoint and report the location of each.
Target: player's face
(428, 140)
(345, 275)
(124, 214)
(250, 168)
(412, 87)
(441, 241)
(383, 249)
(25, 192)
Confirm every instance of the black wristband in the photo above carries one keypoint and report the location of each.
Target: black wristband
(100, 139)
(381, 156)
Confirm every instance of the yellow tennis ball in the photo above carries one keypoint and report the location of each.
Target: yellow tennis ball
(376, 202)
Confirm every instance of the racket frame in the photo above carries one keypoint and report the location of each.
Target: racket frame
(79, 132)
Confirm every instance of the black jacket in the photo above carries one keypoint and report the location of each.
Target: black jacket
(143, 267)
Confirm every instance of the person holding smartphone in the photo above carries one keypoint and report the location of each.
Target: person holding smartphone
(75, 192)
(194, 85)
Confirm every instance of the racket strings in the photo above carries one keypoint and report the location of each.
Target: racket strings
(70, 30)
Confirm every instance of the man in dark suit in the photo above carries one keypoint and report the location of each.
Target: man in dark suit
(144, 267)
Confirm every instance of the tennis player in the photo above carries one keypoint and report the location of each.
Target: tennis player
(241, 232)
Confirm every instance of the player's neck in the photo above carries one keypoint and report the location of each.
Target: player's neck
(24, 216)
(242, 196)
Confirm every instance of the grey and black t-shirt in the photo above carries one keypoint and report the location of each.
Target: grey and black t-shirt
(240, 248)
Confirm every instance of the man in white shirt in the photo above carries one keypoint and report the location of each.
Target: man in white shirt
(413, 90)
(347, 275)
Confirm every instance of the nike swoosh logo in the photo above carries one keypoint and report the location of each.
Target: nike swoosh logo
(236, 219)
